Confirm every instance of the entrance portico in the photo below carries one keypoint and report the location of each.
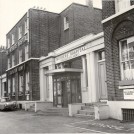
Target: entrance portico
(62, 81)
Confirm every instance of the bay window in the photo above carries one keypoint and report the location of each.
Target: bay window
(127, 58)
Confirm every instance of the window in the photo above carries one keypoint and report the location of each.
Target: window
(20, 32)
(27, 81)
(121, 4)
(21, 83)
(101, 55)
(25, 24)
(13, 39)
(13, 84)
(127, 58)
(13, 60)
(9, 86)
(20, 56)
(8, 43)
(66, 23)
(9, 63)
(26, 52)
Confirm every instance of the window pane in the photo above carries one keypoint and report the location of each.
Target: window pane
(131, 50)
(124, 51)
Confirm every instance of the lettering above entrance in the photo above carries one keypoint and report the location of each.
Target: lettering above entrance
(72, 54)
(15, 70)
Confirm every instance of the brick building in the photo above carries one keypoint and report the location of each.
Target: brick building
(36, 34)
(67, 74)
(3, 67)
(118, 21)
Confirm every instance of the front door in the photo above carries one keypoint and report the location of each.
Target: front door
(64, 94)
(102, 80)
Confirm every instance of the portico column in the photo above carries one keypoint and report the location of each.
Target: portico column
(42, 84)
(51, 83)
(92, 90)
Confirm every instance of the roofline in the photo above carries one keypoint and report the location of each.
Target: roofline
(71, 5)
(16, 23)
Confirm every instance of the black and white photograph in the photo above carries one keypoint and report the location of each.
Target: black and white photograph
(66, 66)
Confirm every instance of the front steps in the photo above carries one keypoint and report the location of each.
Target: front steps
(87, 111)
(55, 111)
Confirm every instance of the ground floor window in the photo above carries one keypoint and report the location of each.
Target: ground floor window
(127, 58)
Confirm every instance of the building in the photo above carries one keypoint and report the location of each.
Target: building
(118, 20)
(36, 34)
(74, 83)
(3, 67)
(33, 35)
(64, 74)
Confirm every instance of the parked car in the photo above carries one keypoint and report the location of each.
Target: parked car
(6, 104)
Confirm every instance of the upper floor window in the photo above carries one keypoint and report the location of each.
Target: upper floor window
(8, 43)
(9, 63)
(25, 25)
(121, 5)
(13, 39)
(66, 23)
(127, 58)
(13, 60)
(20, 56)
(26, 52)
(20, 32)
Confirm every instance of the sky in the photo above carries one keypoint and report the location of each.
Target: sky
(11, 11)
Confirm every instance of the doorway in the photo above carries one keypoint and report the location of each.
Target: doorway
(102, 76)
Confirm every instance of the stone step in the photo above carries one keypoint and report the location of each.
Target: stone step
(87, 107)
(56, 111)
(86, 112)
(84, 116)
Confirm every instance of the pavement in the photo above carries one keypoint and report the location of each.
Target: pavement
(29, 122)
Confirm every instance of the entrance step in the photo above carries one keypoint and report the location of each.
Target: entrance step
(56, 111)
(87, 111)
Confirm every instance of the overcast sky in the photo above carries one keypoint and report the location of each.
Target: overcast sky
(11, 11)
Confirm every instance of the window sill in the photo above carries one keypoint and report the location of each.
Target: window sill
(126, 83)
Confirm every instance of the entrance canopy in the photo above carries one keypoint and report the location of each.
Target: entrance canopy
(63, 70)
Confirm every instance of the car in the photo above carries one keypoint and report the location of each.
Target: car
(6, 104)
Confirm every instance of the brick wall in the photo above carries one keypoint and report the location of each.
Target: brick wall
(114, 30)
(44, 32)
(108, 8)
(81, 22)
(35, 79)
(3, 61)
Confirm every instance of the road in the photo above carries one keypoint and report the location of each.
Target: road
(30, 122)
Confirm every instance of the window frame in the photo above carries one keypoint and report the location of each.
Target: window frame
(124, 2)
(20, 55)
(13, 39)
(19, 32)
(66, 23)
(128, 40)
